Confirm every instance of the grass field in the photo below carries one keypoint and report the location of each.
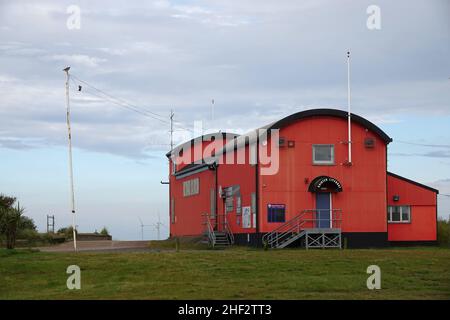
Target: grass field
(238, 273)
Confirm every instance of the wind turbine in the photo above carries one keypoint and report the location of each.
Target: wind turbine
(158, 226)
(142, 227)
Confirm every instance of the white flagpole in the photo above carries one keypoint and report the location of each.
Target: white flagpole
(72, 193)
(212, 110)
(349, 111)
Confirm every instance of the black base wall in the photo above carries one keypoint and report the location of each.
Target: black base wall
(412, 243)
(249, 239)
(349, 240)
(365, 240)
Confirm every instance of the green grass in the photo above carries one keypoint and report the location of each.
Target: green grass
(238, 273)
(184, 243)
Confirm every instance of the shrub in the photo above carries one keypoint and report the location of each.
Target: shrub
(66, 232)
(104, 231)
(30, 236)
(9, 223)
(443, 232)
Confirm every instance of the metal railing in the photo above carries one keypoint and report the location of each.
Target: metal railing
(229, 232)
(294, 228)
(311, 218)
(220, 224)
(210, 230)
(284, 232)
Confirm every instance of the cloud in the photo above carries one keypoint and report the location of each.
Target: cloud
(77, 59)
(259, 63)
(18, 143)
(443, 185)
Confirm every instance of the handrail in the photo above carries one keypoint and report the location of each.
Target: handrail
(335, 217)
(289, 227)
(210, 229)
(297, 224)
(229, 232)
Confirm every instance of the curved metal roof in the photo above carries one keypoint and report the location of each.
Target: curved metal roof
(205, 137)
(332, 113)
(298, 116)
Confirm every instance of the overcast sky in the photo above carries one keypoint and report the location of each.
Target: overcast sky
(259, 61)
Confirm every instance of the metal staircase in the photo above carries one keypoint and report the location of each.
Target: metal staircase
(306, 225)
(217, 232)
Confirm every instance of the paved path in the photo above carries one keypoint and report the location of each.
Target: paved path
(100, 245)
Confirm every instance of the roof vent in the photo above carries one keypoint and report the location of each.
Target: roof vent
(369, 143)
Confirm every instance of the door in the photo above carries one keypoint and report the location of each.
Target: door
(323, 206)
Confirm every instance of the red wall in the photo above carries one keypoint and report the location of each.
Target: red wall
(423, 211)
(245, 176)
(189, 210)
(363, 199)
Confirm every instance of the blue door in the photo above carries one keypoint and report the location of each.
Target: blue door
(323, 206)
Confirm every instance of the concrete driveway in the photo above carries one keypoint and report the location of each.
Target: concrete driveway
(100, 245)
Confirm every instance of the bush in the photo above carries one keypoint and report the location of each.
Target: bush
(30, 236)
(104, 231)
(9, 224)
(443, 232)
(66, 232)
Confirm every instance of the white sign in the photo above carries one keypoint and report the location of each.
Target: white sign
(246, 217)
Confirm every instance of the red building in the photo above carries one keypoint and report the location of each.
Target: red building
(295, 181)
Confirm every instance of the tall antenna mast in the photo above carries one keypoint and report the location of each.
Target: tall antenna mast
(212, 110)
(171, 130)
(72, 193)
(349, 111)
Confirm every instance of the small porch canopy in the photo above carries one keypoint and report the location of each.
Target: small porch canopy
(325, 184)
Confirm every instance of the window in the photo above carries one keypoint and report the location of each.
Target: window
(229, 205)
(323, 154)
(174, 166)
(172, 211)
(191, 187)
(238, 204)
(253, 203)
(276, 213)
(399, 214)
(212, 197)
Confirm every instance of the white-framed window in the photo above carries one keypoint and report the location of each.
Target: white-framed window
(172, 211)
(323, 154)
(191, 187)
(238, 204)
(174, 166)
(399, 214)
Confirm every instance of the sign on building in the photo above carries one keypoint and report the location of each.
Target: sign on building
(246, 217)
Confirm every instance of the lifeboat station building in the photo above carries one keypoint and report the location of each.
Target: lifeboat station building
(317, 178)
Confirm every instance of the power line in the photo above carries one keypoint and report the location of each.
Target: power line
(125, 104)
(118, 99)
(423, 144)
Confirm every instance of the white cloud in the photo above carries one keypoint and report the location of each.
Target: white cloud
(277, 59)
(77, 59)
